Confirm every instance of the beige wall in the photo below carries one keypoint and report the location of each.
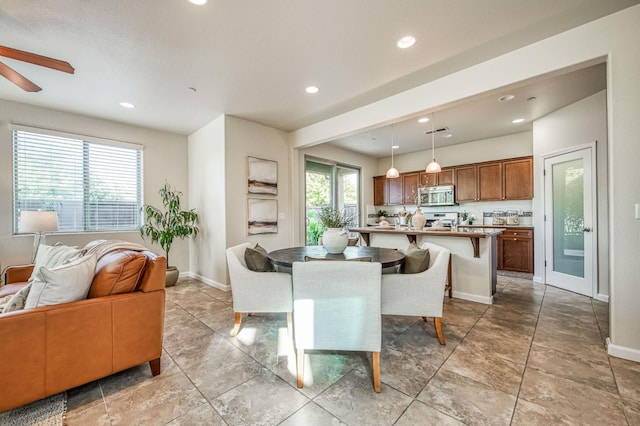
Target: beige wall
(510, 146)
(165, 158)
(207, 195)
(610, 37)
(581, 123)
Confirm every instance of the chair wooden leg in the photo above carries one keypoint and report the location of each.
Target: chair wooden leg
(290, 323)
(155, 366)
(300, 366)
(438, 323)
(236, 324)
(449, 279)
(376, 371)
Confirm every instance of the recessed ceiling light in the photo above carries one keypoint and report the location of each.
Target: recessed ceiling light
(423, 120)
(198, 2)
(312, 89)
(395, 146)
(505, 98)
(406, 42)
(193, 89)
(127, 105)
(518, 120)
(448, 135)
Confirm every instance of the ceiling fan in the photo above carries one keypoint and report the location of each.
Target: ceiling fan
(20, 80)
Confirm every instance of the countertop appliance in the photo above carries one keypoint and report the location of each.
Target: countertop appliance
(448, 218)
(437, 195)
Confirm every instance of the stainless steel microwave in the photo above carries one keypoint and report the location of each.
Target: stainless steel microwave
(437, 195)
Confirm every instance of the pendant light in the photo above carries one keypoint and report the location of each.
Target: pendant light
(392, 173)
(433, 166)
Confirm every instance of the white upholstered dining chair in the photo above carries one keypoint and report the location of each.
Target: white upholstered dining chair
(336, 306)
(420, 294)
(257, 291)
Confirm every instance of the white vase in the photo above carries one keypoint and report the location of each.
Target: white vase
(418, 220)
(335, 240)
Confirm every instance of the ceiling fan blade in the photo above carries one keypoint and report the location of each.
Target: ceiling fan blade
(18, 79)
(32, 58)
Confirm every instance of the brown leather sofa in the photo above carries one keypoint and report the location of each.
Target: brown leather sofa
(47, 350)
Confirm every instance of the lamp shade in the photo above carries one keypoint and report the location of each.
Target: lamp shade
(38, 221)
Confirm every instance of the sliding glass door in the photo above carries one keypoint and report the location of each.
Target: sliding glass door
(329, 184)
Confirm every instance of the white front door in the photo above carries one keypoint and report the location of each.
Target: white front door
(570, 200)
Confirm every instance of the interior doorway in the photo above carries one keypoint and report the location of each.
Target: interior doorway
(570, 219)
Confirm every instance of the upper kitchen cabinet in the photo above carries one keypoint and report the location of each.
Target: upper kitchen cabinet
(490, 182)
(379, 190)
(518, 179)
(410, 188)
(395, 194)
(445, 177)
(466, 183)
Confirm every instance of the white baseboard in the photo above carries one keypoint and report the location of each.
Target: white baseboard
(538, 280)
(622, 351)
(602, 297)
(208, 281)
(473, 297)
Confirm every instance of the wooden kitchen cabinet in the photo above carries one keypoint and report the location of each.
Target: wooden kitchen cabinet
(466, 178)
(394, 191)
(379, 191)
(410, 188)
(515, 250)
(445, 177)
(518, 179)
(490, 182)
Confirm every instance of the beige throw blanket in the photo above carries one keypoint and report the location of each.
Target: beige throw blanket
(107, 246)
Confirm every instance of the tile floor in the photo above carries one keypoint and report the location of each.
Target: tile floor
(536, 356)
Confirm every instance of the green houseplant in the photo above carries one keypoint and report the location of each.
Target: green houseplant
(163, 226)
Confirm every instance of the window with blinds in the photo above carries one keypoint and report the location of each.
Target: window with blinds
(92, 185)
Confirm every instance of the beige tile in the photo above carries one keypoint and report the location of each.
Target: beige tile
(180, 326)
(419, 413)
(530, 414)
(353, 400)
(485, 367)
(564, 341)
(420, 341)
(322, 369)
(203, 415)
(405, 373)
(505, 314)
(95, 414)
(85, 396)
(628, 382)
(483, 342)
(312, 415)
(157, 402)
(574, 367)
(567, 398)
(632, 411)
(264, 400)
(506, 329)
(468, 401)
(624, 363)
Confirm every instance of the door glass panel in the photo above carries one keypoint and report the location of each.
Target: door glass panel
(568, 217)
(329, 185)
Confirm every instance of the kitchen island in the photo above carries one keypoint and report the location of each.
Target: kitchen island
(473, 254)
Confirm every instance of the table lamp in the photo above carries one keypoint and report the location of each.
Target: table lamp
(37, 222)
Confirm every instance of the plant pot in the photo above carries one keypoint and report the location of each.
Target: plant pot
(172, 276)
(335, 240)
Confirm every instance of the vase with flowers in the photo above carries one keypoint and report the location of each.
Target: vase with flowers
(334, 238)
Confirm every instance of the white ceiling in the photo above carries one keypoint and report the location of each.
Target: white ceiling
(253, 59)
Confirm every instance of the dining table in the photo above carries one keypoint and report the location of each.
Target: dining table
(286, 257)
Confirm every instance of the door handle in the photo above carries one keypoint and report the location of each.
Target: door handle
(586, 229)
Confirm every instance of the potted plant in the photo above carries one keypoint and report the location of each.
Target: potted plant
(333, 221)
(381, 215)
(165, 225)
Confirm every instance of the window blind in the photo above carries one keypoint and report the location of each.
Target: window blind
(93, 186)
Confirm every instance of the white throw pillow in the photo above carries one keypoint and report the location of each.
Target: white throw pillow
(52, 256)
(65, 283)
(18, 300)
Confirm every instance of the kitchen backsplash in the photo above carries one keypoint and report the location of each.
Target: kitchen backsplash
(483, 210)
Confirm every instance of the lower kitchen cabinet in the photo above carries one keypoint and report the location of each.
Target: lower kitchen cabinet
(515, 250)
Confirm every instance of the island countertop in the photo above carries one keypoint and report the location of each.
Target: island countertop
(474, 234)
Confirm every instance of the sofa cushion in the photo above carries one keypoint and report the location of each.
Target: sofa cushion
(18, 300)
(117, 272)
(65, 283)
(416, 260)
(52, 256)
(257, 259)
